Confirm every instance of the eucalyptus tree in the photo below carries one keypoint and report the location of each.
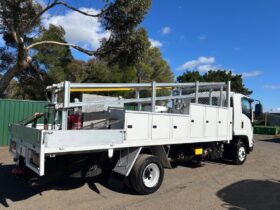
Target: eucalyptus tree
(20, 21)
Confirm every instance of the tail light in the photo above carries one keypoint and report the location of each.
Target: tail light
(35, 159)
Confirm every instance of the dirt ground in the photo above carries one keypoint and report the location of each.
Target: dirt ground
(214, 185)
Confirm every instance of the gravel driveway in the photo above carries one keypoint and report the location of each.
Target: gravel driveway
(214, 185)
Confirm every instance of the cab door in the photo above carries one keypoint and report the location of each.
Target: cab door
(242, 122)
(246, 118)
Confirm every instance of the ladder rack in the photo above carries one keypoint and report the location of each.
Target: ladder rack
(68, 88)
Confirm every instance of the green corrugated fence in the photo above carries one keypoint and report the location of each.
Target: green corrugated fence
(265, 130)
(15, 110)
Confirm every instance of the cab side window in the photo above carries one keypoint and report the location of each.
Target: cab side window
(246, 107)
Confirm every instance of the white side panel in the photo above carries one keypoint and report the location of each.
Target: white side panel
(197, 121)
(223, 122)
(82, 138)
(180, 127)
(142, 132)
(230, 132)
(211, 115)
(161, 126)
(137, 126)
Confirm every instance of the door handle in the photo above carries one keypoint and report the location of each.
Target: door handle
(242, 124)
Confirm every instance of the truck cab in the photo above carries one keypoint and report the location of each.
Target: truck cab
(243, 118)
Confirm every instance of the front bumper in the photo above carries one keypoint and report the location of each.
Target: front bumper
(251, 148)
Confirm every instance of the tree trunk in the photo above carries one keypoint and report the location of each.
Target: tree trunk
(7, 77)
(13, 71)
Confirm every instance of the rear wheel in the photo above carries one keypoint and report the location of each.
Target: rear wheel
(240, 153)
(147, 174)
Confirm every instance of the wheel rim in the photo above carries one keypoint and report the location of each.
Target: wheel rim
(242, 154)
(151, 175)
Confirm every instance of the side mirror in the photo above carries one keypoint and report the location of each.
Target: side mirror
(258, 109)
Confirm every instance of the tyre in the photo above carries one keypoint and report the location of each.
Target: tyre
(147, 174)
(240, 154)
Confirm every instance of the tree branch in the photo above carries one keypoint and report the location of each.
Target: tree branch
(56, 2)
(18, 39)
(88, 52)
(82, 12)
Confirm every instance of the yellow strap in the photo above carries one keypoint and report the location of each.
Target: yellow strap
(108, 89)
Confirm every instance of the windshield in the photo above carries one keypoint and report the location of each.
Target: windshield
(246, 107)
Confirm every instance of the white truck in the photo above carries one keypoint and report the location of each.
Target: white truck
(203, 121)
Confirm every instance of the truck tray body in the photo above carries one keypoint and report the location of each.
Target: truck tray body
(204, 123)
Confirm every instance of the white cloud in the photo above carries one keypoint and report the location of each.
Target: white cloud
(251, 74)
(165, 30)
(272, 87)
(80, 29)
(155, 43)
(202, 64)
(206, 67)
(202, 37)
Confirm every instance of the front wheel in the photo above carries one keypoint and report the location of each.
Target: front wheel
(240, 153)
(147, 174)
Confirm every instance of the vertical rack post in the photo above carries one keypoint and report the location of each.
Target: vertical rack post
(65, 105)
(196, 91)
(154, 93)
(137, 96)
(221, 95)
(173, 101)
(55, 113)
(180, 92)
(54, 97)
(210, 96)
(228, 93)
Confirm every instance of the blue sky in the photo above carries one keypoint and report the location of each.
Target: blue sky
(238, 35)
(243, 36)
